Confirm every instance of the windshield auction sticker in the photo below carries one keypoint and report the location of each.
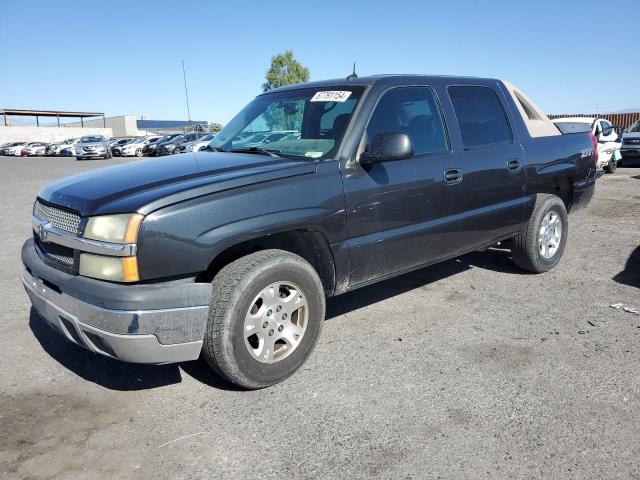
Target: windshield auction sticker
(331, 96)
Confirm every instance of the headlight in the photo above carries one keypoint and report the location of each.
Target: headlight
(121, 228)
(115, 269)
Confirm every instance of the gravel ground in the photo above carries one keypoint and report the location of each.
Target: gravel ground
(468, 369)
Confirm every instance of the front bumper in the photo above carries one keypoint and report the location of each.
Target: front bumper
(159, 323)
(630, 153)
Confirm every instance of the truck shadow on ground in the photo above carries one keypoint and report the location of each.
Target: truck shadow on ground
(496, 259)
(115, 375)
(631, 273)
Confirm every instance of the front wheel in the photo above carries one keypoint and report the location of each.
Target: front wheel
(139, 152)
(540, 246)
(266, 315)
(611, 166)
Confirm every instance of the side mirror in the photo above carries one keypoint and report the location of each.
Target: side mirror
(387, 147)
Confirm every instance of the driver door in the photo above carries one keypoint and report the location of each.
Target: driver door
(394, 208)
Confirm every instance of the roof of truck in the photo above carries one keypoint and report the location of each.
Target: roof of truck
(373, 79)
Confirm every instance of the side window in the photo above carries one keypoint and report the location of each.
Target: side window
(414, 111)
(481, 116)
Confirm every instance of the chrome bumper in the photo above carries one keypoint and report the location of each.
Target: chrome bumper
(113, 332)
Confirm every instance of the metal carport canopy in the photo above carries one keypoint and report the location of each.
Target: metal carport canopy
(49, 113)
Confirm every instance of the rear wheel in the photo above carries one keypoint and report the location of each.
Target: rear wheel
(266, 315)
(540, 246)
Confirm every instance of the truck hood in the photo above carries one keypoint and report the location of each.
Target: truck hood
(146, 185)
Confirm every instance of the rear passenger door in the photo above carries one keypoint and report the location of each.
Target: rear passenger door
(491, 164)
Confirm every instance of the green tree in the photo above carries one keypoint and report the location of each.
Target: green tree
(284, 70)
(215, 127)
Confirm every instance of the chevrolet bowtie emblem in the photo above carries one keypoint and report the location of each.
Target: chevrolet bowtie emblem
(42, 231)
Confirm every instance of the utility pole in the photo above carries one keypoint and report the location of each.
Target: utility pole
(186, 92)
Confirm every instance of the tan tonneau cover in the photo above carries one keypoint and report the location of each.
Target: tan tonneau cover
(537, 123)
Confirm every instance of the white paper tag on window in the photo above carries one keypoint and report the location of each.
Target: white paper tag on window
(331, 96)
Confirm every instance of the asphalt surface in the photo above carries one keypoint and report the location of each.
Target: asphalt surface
(468, 369)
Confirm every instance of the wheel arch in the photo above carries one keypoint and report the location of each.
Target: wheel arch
(309, 244)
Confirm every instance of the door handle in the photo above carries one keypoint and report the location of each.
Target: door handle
(452, 176)
(513, 164)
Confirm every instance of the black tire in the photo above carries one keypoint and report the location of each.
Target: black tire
(233, 290)
(526, 248)
(139, 152)
(611, 166)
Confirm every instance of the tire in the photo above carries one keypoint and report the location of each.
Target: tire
(228, 348)
(139, 152)
(528, 249)
(611, 167)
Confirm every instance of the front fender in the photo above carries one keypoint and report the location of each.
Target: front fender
(182, 239)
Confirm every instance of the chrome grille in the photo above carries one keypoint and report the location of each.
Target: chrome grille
(56, 256)
(59, 218)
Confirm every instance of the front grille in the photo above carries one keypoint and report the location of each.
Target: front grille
(632, 141)
(59, 218)
(56, 256)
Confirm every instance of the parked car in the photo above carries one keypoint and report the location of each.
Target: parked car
(151, 148)
(115, 143)
(57, 147)
(172, 147)
(92, 146)
(630, 147)
(231, 254)
(196, 145)
(608, 143)
(133, 147)
(33, 148)
(13, 148)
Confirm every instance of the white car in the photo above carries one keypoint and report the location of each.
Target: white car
(33, 148)
(56, 148)
(133, 147)
(15, 149)
(196, 145)
(608, 141)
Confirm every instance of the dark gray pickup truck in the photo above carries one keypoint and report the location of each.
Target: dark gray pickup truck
(230, 254)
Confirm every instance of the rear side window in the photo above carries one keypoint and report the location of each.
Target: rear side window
(414, 111)
(481, 116)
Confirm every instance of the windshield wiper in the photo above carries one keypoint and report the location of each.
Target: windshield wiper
(258, 150)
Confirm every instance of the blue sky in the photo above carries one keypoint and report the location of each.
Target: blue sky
(124, 57)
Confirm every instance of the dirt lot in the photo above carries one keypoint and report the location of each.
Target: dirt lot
(469, 369)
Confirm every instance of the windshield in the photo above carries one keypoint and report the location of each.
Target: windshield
(635, 128)
(91, 139)
(68, 141)
(205, 138)
(307, 122)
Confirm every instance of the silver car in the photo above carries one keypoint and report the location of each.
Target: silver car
(92, 146)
